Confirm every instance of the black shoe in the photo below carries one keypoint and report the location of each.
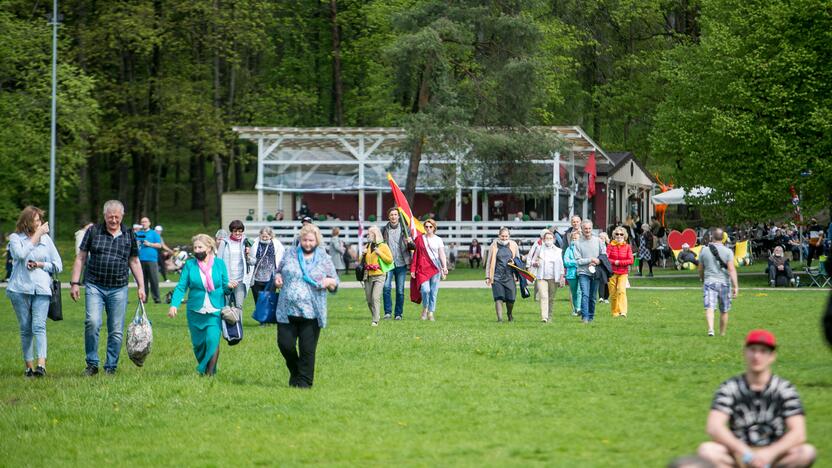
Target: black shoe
(90, 370)
(109, 370)
(40, 371)
(29, 373)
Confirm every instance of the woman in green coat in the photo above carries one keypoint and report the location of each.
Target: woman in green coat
(206, 277)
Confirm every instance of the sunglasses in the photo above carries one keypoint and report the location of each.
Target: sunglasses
(430, 226)
(618, 235)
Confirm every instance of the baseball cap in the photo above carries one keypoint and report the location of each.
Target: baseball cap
(306, 219)
(158, 228)
(761, 337)
(685, 245)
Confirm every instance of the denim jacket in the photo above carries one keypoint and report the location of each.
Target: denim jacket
(36, 281)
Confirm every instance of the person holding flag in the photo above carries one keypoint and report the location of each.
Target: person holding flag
(428, 265)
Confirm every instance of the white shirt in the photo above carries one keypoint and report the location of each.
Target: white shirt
(436, 249)
(207, 307)
(550, 260)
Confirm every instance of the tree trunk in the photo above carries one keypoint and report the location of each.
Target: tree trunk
(204, 190)
(238, 168)
(416, 155)
(337, 112)
(177, 179)
(197, 175)
(157, 190)
(123, 170)
(94, 188)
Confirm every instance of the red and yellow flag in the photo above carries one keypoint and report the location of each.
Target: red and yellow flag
(405, 212)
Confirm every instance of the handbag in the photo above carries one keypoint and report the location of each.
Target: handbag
(265, 310)
(233, 333)
(55, 308)
(360, 269)
(139, 336)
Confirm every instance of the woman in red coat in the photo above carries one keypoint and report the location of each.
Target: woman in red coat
(621, 257)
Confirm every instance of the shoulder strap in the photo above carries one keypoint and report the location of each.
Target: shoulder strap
(715, 253)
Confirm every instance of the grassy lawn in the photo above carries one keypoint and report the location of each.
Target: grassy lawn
(461, 391)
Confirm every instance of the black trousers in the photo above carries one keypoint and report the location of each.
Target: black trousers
(815, 251)
(297, 341)
(150, 270)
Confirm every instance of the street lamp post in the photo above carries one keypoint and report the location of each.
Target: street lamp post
(53, 138)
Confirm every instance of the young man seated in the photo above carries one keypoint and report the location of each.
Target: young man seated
(757, 418)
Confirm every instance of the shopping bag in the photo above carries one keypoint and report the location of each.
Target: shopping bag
(233, 334)
(55, 309)
(139, 336)
(265, 309)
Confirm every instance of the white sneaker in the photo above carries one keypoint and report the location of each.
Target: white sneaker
(431, 317)
(710, 333)
(424, 315)
(374, 324)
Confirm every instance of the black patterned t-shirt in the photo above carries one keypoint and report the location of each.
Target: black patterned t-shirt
(108, 256)
(757, 418)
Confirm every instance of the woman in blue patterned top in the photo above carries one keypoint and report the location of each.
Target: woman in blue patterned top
(305, 274)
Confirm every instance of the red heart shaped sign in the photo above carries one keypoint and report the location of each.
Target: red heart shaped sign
(674, 240)
(688, 237)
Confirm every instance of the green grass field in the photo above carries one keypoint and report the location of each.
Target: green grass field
(461, 391)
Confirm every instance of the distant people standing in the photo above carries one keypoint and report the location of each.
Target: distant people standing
(397, 238)
(337, 249)
(164, 253)
(548, 261)
(645, 250)
(428, 266)
(571, 266)
(265, 258)
(235, 251)
(499, 275)
(815, 241)
(110, 252)
(603, 286)
(474, 254)
(587, 251)
(149, 244)
(574, 225)
(30, 286)
(620, 255)
(719, 277)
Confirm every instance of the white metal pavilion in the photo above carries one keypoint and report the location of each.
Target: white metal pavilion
(302, 160)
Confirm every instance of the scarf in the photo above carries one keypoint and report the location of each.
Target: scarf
(303, 270)
(618, 243)
(235, 238)
(205, 268)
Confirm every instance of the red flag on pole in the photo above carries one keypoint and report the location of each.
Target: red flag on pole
(414, 224)
(590, 170)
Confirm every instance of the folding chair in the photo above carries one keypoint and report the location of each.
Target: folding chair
(819, 276)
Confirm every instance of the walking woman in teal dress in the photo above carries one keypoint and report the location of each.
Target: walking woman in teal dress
(206, 277)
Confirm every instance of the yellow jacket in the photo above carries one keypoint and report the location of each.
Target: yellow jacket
(371, 258)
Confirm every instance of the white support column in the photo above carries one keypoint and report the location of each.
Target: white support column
(572, 183)
(280, 204)
(361, 157)
(458, 200)
(260, 156)
(556, 188)
(378, 206)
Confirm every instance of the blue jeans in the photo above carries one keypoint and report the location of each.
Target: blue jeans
(429, 290)
(589, 293)
(114, 300)
(400, 273)
(31, 310)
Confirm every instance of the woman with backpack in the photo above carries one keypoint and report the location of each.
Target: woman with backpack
(378, 259)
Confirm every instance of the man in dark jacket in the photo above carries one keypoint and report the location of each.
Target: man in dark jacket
(396, 237)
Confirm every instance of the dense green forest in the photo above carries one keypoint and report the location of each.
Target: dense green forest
(732, 94)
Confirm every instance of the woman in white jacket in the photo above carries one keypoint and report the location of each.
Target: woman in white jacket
(548, 263)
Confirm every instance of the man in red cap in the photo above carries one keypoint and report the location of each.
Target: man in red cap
(756, 418)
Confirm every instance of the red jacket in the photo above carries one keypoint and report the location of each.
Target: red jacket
(621, 252)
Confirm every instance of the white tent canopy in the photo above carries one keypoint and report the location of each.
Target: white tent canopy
(677, 196)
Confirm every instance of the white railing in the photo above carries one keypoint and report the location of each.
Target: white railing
(457, 234)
